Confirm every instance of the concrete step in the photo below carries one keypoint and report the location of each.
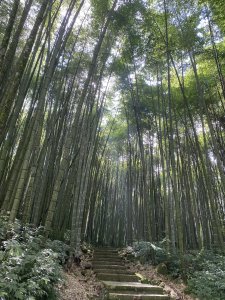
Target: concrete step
(109, 267)
(119, 281)
(137, 296)
(138, 287)
(107, 263)
(105, 250)
(117, 277)
(106, 255)
(113, 271)
(118, 261)
(105, 258)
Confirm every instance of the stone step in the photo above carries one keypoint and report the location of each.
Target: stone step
(105, 250)
(137, 287)
(109, 267)
(119, 281)
(136, 296)
(107, 258)
(106, 255)
(107, 263)
(114, 271)
(117, 277)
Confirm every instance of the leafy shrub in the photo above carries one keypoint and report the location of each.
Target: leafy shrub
(30, 265)
(185, 268)
(204, 271)
(149, 252)
(61, 248)
(209, 282)
(3, 227)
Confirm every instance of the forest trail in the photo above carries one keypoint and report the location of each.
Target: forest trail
(119, 281)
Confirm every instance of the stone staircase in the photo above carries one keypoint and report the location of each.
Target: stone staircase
(119, 281)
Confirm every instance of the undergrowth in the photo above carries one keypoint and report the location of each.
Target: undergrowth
(30, 264)
(203, 272)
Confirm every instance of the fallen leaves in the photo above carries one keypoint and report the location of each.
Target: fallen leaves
(81, 283)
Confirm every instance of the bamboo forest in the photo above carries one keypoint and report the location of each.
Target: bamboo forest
(112, 149)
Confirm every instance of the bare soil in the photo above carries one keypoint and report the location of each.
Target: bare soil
(175, 289)
(80, 283)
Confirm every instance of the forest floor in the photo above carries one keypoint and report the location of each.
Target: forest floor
(176, 289)
(81, 284)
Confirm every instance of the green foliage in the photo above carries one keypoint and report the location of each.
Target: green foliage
(30, 265)
(100, 10)
(204, 271)
(149, 252)
(209, 282)
(217, 7)
(3, 227)
(4, 15)
(127, 14)
(60, 248)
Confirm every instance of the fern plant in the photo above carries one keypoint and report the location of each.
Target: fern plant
(30, 265)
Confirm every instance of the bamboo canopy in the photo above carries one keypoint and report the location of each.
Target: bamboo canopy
(112, 120)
